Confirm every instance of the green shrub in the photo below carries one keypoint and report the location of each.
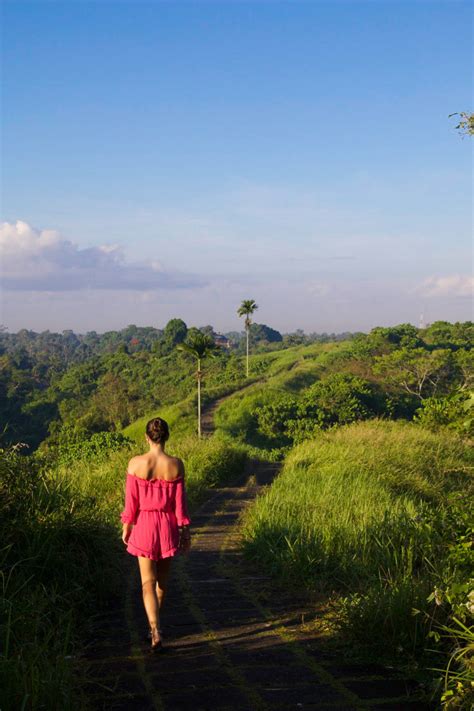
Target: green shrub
(98, 446)
(455, 411)
(336, 399)
(450, 610)
(272, 418)
(339, 398)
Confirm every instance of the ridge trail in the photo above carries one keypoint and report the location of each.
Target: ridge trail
(226, 649)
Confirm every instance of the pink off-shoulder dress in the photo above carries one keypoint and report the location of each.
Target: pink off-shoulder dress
(156, 507)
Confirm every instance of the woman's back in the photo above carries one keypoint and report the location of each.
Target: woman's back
(156, 465)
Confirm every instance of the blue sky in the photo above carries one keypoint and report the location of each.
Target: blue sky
(171, 159)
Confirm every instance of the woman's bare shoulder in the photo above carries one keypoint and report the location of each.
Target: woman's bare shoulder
(137, 466)
(179, 464)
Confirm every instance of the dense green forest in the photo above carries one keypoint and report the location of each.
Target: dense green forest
(91, 383)
(371, 508)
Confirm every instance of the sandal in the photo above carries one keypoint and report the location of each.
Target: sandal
(156, 644)
(148, 635)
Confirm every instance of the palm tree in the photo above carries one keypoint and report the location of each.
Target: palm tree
(198, 345)
(246, 308)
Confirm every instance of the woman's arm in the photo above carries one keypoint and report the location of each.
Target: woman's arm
(181, 511)
(129, 514)
(181, 501)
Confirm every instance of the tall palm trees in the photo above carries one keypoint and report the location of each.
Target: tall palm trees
(246, 308)
(198, 345)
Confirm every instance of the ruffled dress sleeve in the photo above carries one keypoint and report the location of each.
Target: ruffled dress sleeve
(132, 501)
(181, 504)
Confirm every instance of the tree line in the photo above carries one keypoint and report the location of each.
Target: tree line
(429, 368)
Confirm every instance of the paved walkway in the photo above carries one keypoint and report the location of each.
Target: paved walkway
(225, 648)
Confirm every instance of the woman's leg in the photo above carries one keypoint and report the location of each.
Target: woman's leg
(148, 573)
(163, 571)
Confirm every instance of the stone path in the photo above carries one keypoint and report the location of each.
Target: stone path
(207, 415)
(226, 649)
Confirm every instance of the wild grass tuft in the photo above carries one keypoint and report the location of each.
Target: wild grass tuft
(358, 512)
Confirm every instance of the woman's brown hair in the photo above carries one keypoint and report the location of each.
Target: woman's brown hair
(157, 430)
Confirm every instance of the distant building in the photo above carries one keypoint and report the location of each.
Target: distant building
(222, 341)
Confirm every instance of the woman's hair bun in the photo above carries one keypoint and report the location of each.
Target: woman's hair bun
(157, 430)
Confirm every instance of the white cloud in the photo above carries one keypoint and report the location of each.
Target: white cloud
(448, 285)
(20, 238)
(42, 260)
(318, 288)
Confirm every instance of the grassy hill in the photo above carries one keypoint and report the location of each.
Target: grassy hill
(371, 506)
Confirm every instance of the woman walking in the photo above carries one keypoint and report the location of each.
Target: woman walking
(155, 519)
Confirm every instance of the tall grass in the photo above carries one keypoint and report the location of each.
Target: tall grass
(60, 557)
(360, 512)
(302, 357)
(180, 417)
(236, 416)
(56, 561)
